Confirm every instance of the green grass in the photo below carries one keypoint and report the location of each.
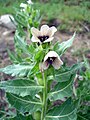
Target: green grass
(70, 17)
(7, 6)
(70, 14)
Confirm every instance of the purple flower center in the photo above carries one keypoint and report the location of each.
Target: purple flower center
(43, 38)
(50, 60)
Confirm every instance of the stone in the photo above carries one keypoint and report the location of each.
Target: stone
(5, 21)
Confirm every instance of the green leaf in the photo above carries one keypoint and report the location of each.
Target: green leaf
(21, 87)
(66, 111)
(18, 69)
(31, 49)
(24, 104)
(22, 44)
(61, 90)
(61, 48)
(83, 117)
(21, 117)
(20, 19)
(39, 54)
(65, 75)
(2, 115)
(11, 55)
(35, 70)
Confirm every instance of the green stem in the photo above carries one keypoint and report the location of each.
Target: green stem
(44, 98)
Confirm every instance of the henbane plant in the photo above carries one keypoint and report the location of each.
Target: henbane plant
(41, 78)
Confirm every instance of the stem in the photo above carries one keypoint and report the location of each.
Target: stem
(44, 107)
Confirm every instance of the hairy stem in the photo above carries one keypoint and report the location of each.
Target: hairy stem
(44, 98)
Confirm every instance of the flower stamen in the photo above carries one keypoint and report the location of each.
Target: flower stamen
(50, 60)
(43, 38)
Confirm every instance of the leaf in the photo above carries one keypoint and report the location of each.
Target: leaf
(20, 19)
(22, 44)
(23, 104)
(61, 48)
(31, 49)
(39, 55)
(61, 90)
(21, 87)
(2, 114)
(83, 117)
(12, 56)
(62, 76)
(21, 117)
(18, 69)
(35, 70)
(66, 111)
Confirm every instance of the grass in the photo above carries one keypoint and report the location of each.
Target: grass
(71, 15)
(7, 6)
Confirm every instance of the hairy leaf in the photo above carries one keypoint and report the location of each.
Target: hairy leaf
(65, 75)
(22, 44)
(18, 69)
(21, 117)
(61, 90)
(12, 56)
(34, 70)
(66, 111)
(21, 87)
(20, 19)
(24, 104)
(2, 115)
(61, 48)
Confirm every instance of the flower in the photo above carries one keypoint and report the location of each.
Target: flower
(23, 5)
(52, 58)
(44, 35)
(30, 2)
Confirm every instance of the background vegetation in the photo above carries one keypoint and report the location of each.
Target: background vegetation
(66, 14)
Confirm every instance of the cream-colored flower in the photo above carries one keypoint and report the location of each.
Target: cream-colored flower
(23, 5)
(30, 2)
(44, 35)
(52, 58)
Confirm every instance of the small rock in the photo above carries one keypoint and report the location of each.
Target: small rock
(5, 21)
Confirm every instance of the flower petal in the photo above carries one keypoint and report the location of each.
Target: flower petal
(49, 40)
(35, 32)
(44, 29)
(45, 65)
(51, 31)
(23, 5)
(29, 2)
(51, 54)
(35, 39)
(57, 63)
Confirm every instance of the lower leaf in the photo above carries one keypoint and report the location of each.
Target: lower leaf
(66, 111)
(24, 104)
(21, 87)
(22, 117)
(62, 90)
(62, 76)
